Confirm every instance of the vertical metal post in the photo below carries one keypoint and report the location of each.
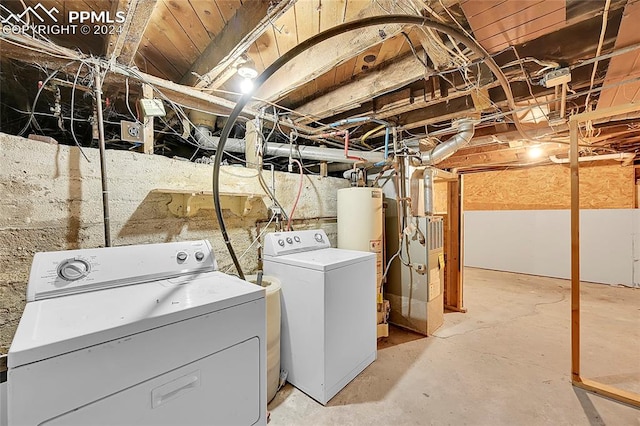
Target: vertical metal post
(575, 252)
(103, 165)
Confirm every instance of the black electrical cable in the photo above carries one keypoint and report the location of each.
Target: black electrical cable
(331, 32)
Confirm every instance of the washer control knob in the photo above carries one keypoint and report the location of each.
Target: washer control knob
(182, 256)
(199, 256)
(73, 269)
(289, 240)
(281, 242)
(296, 239)
(318, 237)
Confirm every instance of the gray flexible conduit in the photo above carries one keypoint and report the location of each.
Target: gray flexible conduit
(331, 32)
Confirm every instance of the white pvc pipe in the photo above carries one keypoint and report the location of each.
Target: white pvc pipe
(622, 156)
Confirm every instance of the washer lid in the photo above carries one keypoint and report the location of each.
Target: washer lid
(323, 260)
(55, 326)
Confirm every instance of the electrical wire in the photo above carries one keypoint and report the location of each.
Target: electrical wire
(73, 95)
(266, 227)
(126, 100)
(603, 30)
(295, 204)
(35, 102)
(311, 41)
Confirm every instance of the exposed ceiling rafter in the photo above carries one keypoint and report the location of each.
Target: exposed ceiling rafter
(212, 68)
(319, 59)
(122, 47)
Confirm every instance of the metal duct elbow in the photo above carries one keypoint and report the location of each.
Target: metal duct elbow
(448, 148)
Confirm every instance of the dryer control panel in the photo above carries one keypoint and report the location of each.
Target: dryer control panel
(281, 243)
(59, 273)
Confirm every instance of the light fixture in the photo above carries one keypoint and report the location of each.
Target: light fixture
(246, 85)
(535, 152)
(247, 69)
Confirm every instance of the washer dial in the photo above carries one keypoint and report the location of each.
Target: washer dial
(73, 269)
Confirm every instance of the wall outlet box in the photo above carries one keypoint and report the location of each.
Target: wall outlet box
(557, 77)
(131, 131)
(152, 107)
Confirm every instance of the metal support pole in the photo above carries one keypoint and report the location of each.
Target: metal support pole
(103, 165)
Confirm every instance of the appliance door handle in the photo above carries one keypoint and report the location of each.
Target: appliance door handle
(175, 388)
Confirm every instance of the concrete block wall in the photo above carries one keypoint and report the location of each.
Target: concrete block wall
(52, 200)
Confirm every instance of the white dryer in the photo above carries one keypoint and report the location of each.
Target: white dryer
(328, 333)
(138, 335)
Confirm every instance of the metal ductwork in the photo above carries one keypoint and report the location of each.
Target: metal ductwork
(436, 155)
(204, 138)
(428, 191)
(447, 149)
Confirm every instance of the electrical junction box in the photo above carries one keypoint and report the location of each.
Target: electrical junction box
(557, 77)
(131, 131)
(152, 107)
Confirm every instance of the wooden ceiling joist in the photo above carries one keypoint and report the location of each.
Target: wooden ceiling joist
(322, 57)
(244, 28)
(372, 84)
(123, 47)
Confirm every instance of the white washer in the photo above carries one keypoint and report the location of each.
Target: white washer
(328, 331)
(144, 335)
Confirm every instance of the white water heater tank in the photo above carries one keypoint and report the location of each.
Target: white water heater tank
(360, 222)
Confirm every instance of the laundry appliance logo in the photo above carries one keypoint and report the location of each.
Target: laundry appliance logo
(39, 20)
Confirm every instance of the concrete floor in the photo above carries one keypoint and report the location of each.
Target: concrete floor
(506, 361)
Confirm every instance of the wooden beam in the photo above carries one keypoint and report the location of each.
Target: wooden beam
(589, 385)
(123, 47)
(372, 84)
(147, 148)
(454, 248)
(496, 157)
(246, 26)
(320, 58)
(575, 251)
(608, 391)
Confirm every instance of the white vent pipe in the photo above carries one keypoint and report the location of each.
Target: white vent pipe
(625, 157)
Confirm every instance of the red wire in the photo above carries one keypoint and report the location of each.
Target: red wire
(295, 204)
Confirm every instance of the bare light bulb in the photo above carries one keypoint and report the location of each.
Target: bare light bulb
(246, 85)
(535, 152)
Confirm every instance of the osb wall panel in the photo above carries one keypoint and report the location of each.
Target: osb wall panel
(440, 197)
(51, 200)
(548, 187)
